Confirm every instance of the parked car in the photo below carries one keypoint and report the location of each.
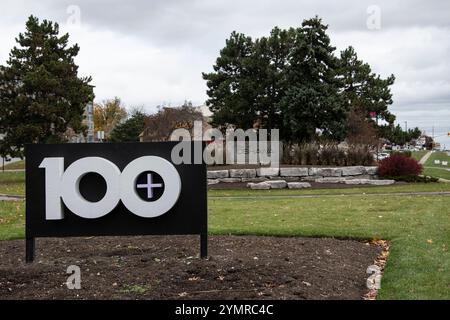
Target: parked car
(381, 156)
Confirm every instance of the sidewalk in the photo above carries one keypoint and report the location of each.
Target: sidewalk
(425, 158)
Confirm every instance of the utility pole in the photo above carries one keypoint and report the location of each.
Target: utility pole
(432, 138)
(378, 139)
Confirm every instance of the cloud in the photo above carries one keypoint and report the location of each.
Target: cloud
(153, 52)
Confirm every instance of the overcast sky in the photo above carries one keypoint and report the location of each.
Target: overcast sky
(153, 52)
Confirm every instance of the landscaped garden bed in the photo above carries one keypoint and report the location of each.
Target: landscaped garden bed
(295, 177)
(413, 217)
(168, 267)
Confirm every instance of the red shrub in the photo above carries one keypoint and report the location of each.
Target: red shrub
(399, 165)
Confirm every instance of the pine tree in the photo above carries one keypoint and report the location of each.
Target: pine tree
(293, 81)
(129, 130)
(363, 89)
(41, 94)
(312, 101)
(231, 87)
(271, 57)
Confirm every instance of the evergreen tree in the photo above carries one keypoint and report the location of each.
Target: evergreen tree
(363, 89)
(129, 130)
(312, 101)
(231, 87)
(398, 136)
(271, 58)
(293, 81)
(41, 95)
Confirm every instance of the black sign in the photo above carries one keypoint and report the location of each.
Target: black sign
(113, 189)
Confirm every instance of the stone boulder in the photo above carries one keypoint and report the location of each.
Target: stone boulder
(353, 171)
(230, 180)
(370, 182)
(298, 185)
(242, 173)
(276, 184)
(310, 178)
(381, 182)
(287, 179)
(357, 181)
(217, 174)
(267, 172)
(293, 172)
(330, 180)
(258, 186)
(213, 181)
(325, 172)
(372, 170)
(257, 179)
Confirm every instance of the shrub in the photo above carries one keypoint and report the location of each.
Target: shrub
(399, 165)
(303, 154)
(287, 154)
(310, 153)
(359, 155)
(410, 178)
(328, 154)
(297, 156)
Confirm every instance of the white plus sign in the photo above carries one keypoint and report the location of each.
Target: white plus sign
(149, 186)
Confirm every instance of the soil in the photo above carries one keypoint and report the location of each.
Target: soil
(168, 267)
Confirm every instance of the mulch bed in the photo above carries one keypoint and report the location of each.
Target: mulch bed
(168, 267)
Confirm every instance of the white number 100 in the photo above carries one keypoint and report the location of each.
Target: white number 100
(63, 186)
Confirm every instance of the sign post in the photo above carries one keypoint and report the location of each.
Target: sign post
(113, 189)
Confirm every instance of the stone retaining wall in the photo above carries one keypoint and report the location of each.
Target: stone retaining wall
(292, 174)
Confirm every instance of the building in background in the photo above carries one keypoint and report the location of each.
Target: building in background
(88, 121)
(204, 110)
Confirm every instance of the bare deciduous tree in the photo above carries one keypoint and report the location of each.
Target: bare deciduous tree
(159, 126)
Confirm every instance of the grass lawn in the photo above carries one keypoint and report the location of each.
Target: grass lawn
(417, 226)
(12, 219)
(442, 156)
(15, 165)
(398, 188)
(12, 183)
(418, 154)
(437, 172)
